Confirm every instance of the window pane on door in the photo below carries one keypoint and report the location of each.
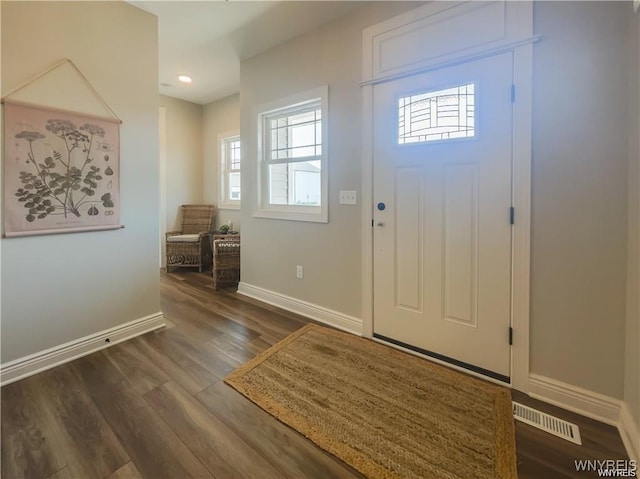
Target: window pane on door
(437, 115)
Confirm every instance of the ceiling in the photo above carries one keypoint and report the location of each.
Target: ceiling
(207, 39)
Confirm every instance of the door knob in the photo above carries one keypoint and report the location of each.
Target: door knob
(380, 223)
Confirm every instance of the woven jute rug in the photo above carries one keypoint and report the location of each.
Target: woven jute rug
(386, 413)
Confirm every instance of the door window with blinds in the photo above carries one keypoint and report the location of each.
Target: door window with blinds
(293, 170)
(437, 115)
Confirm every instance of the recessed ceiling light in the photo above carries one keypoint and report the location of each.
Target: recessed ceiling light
(184, 78)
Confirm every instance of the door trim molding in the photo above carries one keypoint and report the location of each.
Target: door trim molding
(496, 50)
(518, 39)
(521, 197)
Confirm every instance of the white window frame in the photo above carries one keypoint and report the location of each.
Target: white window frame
(224, 140)
(298, 101)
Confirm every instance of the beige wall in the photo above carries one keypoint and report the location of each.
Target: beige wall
(580, 163)
(183, 157)
(220, 118)
(632, 356)
(579, 210)
(59, 288)
(330, 253)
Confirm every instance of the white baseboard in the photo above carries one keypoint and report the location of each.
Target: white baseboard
(630, 433)
(34, 363)
(590, 404)
(333, 318)
(582, 401)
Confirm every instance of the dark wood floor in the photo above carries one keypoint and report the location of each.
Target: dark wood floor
(156, 406)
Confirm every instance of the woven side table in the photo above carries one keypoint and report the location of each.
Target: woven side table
(226, 260)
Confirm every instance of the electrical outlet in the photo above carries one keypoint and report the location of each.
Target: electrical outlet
(299, 272)
(348, 197)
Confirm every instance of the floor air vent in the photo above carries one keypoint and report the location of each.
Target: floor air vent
(546, 422)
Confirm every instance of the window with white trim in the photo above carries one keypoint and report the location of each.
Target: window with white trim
(230, 171)
(293, 169)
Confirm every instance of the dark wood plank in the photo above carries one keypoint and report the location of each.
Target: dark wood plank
(204, 321)
(184, 351)
(128, 471)
(74, 432)
(182, 374)
(258, 345)
(26, 447)
(63, 473)
(290, 452)
(142, 373)
(238, 352)
(156, 451)
(60, 442)
(84, 438)
(241, 309)
(236, 310)
(185, 289)
(224, 453)
(191, 353)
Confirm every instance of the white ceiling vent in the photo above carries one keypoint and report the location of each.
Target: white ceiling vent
(546, 422)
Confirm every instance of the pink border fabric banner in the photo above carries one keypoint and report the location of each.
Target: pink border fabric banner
(61, 171)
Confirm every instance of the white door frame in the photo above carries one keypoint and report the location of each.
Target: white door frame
(505, 26)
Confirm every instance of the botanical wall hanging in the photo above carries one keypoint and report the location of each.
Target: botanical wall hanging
(61, 170)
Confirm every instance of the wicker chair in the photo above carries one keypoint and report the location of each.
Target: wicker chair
(191, 247)
(226, 260)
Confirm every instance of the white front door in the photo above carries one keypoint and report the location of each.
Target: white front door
(442, 229)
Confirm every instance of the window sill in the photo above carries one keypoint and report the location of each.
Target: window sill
(311, 214)
(227, 206)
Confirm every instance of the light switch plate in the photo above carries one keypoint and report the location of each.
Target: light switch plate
(348, 197)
